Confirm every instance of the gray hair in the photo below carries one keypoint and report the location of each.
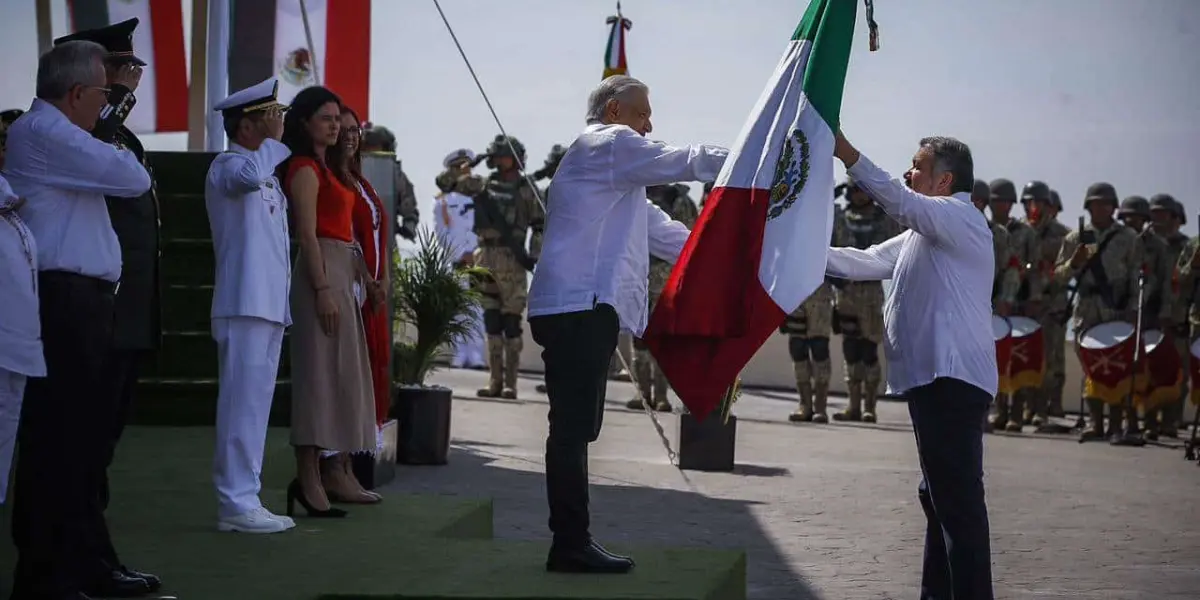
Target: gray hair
(953, 156)
(67, 65)
(616, 87)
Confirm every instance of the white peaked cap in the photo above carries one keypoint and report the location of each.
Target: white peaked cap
(259, 96)
(458, 155)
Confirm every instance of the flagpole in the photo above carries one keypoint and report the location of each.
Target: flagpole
(312, 51)
(217, 78)
(197, 90)
(45, 33)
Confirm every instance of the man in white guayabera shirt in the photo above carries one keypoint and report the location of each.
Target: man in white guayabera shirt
(939, 347)
(591, 282)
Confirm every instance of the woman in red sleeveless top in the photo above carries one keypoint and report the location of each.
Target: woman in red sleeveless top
(333, 402)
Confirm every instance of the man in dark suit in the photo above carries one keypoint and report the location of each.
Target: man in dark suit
(137, 327)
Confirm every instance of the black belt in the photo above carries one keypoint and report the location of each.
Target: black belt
(75, 279)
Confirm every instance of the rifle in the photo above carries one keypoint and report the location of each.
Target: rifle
(1096, 268)
(487, 216)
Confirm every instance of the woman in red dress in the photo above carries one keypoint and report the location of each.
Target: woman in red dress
(371, 232)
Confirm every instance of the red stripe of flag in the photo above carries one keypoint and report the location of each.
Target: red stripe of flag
(348, 46)
(703, 335)
(170, 66)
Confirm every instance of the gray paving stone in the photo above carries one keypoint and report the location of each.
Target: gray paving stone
(829, 511)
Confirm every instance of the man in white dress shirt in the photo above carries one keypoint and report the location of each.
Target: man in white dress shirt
(940, 351)
(591, 283)
(454, 224)
(247, 212)
(21, 351)
(63, 172)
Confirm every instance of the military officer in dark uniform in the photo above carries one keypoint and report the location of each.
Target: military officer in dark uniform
(137, 325)
(377, 138)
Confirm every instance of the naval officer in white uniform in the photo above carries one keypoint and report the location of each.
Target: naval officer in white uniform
(454, 218)
(247, 211)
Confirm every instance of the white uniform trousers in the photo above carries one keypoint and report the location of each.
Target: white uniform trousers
(470, 351)
(12, 390)
(248, 354)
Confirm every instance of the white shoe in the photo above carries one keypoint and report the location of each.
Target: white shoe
(259, 520)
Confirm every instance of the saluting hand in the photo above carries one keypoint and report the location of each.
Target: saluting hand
(273, 122)
(128, 75)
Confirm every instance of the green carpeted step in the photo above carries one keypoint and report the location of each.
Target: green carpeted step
(187, 307)
(180, 172)
(193, 355)
(193, 402)
(183, 216)
(188, 261)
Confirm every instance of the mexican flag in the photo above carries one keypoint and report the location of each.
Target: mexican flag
(759, 248)
(614, 54)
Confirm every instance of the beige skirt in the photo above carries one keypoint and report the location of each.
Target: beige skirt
(333, 403)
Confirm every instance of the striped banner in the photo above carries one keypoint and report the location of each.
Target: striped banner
(163, 92)
(614, 54)
(267, 39)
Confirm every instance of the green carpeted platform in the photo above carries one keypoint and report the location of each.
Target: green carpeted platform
(409, 547)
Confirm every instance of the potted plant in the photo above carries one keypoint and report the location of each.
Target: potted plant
(434, 307)
(709, 445)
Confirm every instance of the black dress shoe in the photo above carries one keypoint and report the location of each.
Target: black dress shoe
(119, 584)
(152, 581)
(604, 550)
(588, 558)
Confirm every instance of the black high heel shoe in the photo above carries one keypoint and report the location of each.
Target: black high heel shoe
(296, 494)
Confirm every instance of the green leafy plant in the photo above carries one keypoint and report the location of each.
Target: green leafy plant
(434, 306)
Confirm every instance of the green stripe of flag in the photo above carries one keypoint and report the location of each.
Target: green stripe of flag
(829, 26)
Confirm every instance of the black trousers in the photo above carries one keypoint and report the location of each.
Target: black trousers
(121, 375)
(947, 417)
(62, 439)
(576, 349)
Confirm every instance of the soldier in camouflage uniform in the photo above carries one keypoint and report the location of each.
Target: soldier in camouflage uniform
(1007, 278)
(1022, 247)
(1106, 286)
(652, 384)
(859, 304)
(376, 138)
(1052, 311)
(503, 214)
(1158, 268)
(1168, 217)
(708, 188)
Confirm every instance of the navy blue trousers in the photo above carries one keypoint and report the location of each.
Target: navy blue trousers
(947, 417)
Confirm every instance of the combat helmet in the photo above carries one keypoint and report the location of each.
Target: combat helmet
(1134, 206)
(550, 167)
(1003, 190)
(1055, 200)
(378, 136)
(981, 191)
(1102, 191)
(1035, 191)
(504, 146)
(1169, 203)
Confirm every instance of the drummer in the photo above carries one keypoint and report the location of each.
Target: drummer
(1007, 278)
(1022, 249)
(1041, 213)
(1169, 216)
(1158, 266)
(1103, 259)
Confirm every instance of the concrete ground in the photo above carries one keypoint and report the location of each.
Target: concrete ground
(830, 512)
